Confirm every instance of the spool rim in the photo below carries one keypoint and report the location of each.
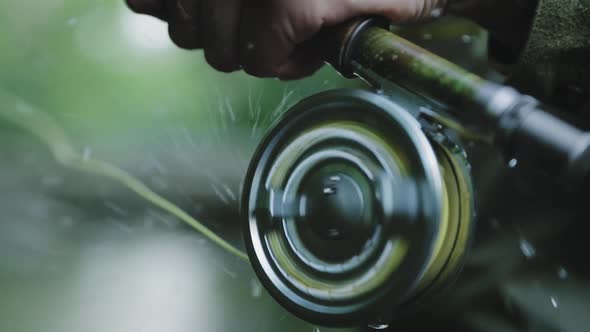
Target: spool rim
(362, 311)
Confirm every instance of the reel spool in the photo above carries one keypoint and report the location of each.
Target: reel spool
(353, 210)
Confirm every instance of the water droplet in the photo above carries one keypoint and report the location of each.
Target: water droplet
(86, 154)
(495, 224)
(72, 21)
(66, 221)
(562, 273)
(424, 109)
(149, 223)
(379, 326)
(335, 178)
(250, 46)
(527, 249)
(229, 192)
(394, 57)
(158, 182)
(51, 181)
(513, 163)
(23, 108)
(333, 232)
(157, 165)
(255, 288)
(427, 36)
(466, 39)
(436, 13)
(220, 194)
(554, 303)
(115, 208)
(328, 191)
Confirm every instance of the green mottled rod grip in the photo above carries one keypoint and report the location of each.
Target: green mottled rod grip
(401, 61)
(368, 43)
(521, 126)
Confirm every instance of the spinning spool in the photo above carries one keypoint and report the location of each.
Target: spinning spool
(352, 211)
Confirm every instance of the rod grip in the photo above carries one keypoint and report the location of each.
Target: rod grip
(554, 144)
(335, 44)
(521, 124)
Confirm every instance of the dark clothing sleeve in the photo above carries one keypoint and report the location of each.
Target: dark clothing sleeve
(555, 61)
(543, 44)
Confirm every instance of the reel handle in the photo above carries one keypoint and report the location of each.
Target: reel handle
(519, 124)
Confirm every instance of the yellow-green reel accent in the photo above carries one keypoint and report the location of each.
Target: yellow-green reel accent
(456, 223)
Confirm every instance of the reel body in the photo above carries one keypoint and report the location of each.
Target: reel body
(354, 208)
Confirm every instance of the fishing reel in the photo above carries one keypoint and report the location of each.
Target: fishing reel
(358, 205)
(355, 206)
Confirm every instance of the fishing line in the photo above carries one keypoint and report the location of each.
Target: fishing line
(40, 124)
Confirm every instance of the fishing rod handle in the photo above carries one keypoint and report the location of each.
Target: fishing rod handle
(520, 125)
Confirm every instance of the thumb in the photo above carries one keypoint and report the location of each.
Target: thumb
(398, 11)
(155, 8)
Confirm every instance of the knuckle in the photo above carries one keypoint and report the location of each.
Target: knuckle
(183, 36)
(252, 70)
(419, 9)
(137, 6)
(150, 7)
(256, 62)
(220, 62)
(299, 25)
(259, 71)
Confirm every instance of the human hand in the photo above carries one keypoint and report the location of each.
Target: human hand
(264, 37)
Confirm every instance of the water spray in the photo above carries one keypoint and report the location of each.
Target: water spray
(38, 123)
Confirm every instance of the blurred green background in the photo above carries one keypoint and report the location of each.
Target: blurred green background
(81, 253)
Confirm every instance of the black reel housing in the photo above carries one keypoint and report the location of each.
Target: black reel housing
(354, 208)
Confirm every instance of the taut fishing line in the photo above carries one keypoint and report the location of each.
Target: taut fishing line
(40, 124)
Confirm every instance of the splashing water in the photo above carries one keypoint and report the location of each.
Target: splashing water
(379, 327)
(66, 221)
(229, 192)
(220, 194)
(335, 178)
(328, 191)
(527, 249)
(53, 136)
(466, 39)
(436, 13)
(255, 288)
(115, 208)
(51, 181)
(562, 273)
(86, 154)
(513, 163)
(158, 166)
(72, 21)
